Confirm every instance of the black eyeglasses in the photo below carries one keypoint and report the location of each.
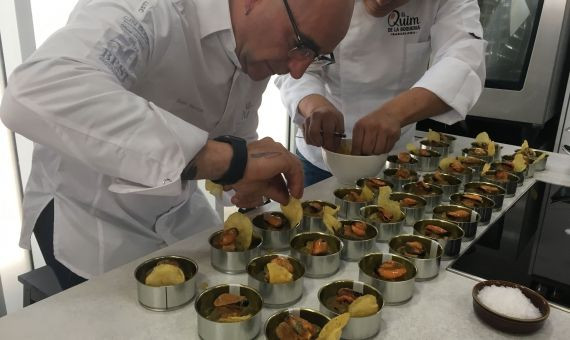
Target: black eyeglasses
(305, 47)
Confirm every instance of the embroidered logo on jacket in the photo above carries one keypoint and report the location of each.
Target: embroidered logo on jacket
(401, 24)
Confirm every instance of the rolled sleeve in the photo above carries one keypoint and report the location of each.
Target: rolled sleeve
(294, 90)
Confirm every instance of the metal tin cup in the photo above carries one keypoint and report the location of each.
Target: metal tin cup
(353, 249)
(441, 147)
(386, 230)
(317, 266)
(360, 184)
(314, 222)
(470, 152)
(390, 175)
(448, 189)
(412, 213)
(468, 225)
(427, 163)
(274, 239)
(276, 295)
(510, 184)
(508, 168)
(474, 163)
(313, 316)
(428, 267)
(358, 327)
(497, 197)
(394, 292)
(466, 176)
(233, 262)
(166, 298)
(433, 199)
(538, 165)
(348, 209)
(213, 330)
(449, 139)
(451, 244)
(530, 167)
(485, 210)
(498, 151)
(392, 162)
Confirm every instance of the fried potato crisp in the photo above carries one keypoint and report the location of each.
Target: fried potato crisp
(245, 229)
(333, 329)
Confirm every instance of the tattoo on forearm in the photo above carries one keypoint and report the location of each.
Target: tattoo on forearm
(272, 154)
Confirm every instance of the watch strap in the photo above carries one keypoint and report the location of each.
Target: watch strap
(238, 162)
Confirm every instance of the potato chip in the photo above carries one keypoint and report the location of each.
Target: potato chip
(333, 329)
(327, 210)
(411, 147)
(233, 318)
(365, 305)
(329, 219)
(519, 165)
(366, 194)
(384, 202)
(215, 189)
(293, 211)
(245, 229)
(384, 193)
(491, 148)
(542, 155)
(524, 145)
(444, 163)
(278, 274)
(483, 138)
(486, 168)
(433, 136)
(164, 274)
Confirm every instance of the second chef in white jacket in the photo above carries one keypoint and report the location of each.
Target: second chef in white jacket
(400, 62)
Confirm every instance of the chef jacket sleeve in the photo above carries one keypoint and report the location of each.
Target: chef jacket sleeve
(294, 90)
(73, 95)
(457, 68)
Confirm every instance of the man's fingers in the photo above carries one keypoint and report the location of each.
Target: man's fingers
(369, 141)
(315, 131)
(277, 190)
(357, 137)
(294, 176)
(329, 129)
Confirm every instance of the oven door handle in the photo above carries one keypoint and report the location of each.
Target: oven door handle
(566, 148)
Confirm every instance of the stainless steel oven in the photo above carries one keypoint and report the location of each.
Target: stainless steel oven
(563, 137)
(526, 58)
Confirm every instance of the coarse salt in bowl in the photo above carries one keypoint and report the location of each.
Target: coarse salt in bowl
(508, 301)
(349, 168)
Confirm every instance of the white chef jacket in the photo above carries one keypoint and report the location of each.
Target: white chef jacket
(118, 102)
(424, 43)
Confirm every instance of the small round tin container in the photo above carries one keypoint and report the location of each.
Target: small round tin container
(390, 175)
(440, 147)
(466, 176)
(432, 200)
(484, 211)
(317, 266)
(530, 166)
(394, 292)
(449, 139)
(276, 295)
(538, 165)
(428, 267)
(358, 327)
(313, 316)
(510, 185)
(468, 226)
(314, 222)
(474, 163)
(233, 262)
(506, 167)
(427, 163)
(166, 298)
(498, 197)
(348, 209)
(213, 330)
(392, 162)
(361, 181)
(469, 152)
(386, 230)
(353, 249)
(412, 213)
(448, 189)
(452, 244)
(274, 239)
(498, 151)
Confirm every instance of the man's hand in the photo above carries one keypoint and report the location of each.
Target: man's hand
(376, 133)
(323, 122)
(269, 164)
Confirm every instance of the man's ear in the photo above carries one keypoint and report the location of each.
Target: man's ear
(249, 4)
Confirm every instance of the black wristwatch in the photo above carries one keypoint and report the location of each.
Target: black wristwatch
(239, 160)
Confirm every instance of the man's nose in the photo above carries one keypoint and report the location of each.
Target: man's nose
(297, 66)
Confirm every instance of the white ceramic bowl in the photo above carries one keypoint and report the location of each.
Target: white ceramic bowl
(349, 168)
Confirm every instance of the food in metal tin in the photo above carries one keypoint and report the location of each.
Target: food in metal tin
(313, 208)
(375, 183)
(296, 328)
(484, 142)
(165, 273)
(230, 308)
(391, 270)
(273, 221)
(452, 165)
(412, 249)
(403, 173)
(436, 232)
(437, 178)
(422, 188)
(408, 202)
(317, 247)
(343, 298)
(488, 189)
(227, 240)
(381, 215)
(471, 201)
(404, 157)
(458, 215)
(359, 195)
(293, 211)
(237, 235)
(279, 270)
(356, 230)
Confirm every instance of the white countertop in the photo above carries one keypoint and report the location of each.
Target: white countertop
(107, 308)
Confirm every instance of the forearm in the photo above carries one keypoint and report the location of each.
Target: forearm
(312, 102)
(414, 105)
(211, 162)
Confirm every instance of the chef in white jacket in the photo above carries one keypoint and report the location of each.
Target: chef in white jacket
(400, 62)
(133, 100)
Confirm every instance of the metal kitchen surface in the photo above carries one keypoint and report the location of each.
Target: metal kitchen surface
(529, 245)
